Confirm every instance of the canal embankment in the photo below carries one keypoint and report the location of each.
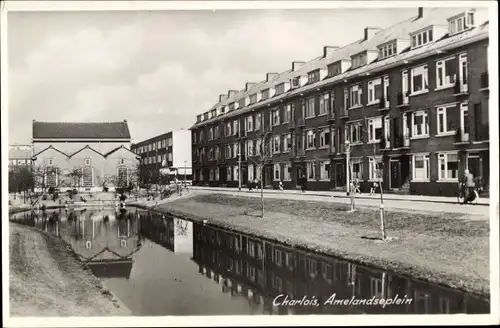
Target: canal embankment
(47, 279)
(448, 249)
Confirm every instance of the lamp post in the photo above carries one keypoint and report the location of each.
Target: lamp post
(347, 158)
(239, 166)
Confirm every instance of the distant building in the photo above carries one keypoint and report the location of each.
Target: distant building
(166, 154)
(20, 156)
(85, 155)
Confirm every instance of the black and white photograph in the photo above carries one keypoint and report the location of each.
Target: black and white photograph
(208, 163)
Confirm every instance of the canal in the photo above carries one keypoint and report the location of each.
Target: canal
(158, 265)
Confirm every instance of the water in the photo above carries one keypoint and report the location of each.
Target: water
(166, 266)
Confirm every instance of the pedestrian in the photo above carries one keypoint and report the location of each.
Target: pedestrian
(281, 185)
(303, 183)
(256, 183)
(470, 186)
(356, 186)
(373, 188)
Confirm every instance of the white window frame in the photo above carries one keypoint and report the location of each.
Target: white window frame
(462, 63)
(286, 136)
(229, 129)
(417, 71)
(441, 114)
(373, 163)
(425, 119)
(287, 113)
(350, 132)
(355, 96)
(324, 173)
(324, 104)
(323, 139)
(310, 136)
(249, 123)
(311, 167)
(372, 126)
(235, 150)
(310, 110)
(276, 172)
(235, 127)
(251, 175)
(87, 162)
(443, 161)
(371, 91)
(229, 173)
(359, 174)
(235, 173)
(417, 40)
(388, 50)
(276, 144)
(250, 149)
(257, 121)
(426, 160)
(464, 108)
(448, 81)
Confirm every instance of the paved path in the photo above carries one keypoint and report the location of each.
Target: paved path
(365, 200)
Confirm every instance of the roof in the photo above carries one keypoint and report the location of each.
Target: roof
(80, 130)
(401, 30)
(20, 153)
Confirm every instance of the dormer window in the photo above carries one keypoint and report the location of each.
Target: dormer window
(461, 22)
(421, 38)
(223, 109)
(387, 50)
(334, 69)
(358, 60)
(280, 88)
(313, 76)
(242, 102)
(198, 118)
(231, 106)
(295, 82)
(253, 98)
(265, 94)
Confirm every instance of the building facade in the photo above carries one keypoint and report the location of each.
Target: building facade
(408, 104)
(20, 156)
(83, 155)
(165, 156)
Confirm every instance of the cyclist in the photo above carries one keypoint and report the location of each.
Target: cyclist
(469, 187)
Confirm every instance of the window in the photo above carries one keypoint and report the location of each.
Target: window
(231, 106)
(258, 172)
(250, 147)
(249, 123)
(87, 161)
(448, 166)
(250, 173)
(235, 173)
(422, 38)
(287, 142)
(464, 121)
(287, 172)
(375, 168)
(420, 126)
(277, 171)
(295, 82)
(122, 174)
(420, 167)
(211, 175)
(374, 129)
(257, 121)
(253, 98)
(387, 50)
(310, 139)
(275, 116)
(228, 151)
(258, 147)
(419, 79)
(276, 144)
(280, 88)
(311, 170)
(353, 133)
(443, 119)
(235, 150)
(446, 72)
(235, 128)
(211, 134)
(357, 168)
(334, 69)
(358, 60)
(324, 104)
(355, 96)
(309, 110)
(324, 138)
(324, 170)
(313, 76)
(242, 102)
(265, 94)
(228, 129)
(460, 24)
(374, 91)
(288, 113)
(229, 173)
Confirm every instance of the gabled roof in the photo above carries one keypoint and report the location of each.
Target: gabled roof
(50, 147)
(20, 153)
(86, 147)
(401, 30)
(118, 148)
(82, 130)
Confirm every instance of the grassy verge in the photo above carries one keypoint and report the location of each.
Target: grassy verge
(439, 248)
(46, 279)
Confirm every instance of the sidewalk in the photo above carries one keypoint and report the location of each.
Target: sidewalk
(340, 194)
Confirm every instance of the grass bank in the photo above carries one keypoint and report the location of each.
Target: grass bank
(445, 249)
(46, 279)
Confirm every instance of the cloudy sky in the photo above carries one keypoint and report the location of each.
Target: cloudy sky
(159, 69)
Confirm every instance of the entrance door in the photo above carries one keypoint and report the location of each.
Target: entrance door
(395, 174)
(474, 164)
(300, 172)
(267, 175)
(339, 175)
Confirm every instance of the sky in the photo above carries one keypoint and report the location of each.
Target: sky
(159, 69)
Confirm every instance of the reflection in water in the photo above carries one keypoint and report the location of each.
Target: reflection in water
(208, 270)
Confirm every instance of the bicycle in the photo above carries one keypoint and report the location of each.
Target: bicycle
(464, 197)
(461, 193)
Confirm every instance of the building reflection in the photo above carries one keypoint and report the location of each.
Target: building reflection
(260, 270)
(103, 239)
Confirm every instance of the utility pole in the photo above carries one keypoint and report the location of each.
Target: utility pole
(347, 154)
(239, 166)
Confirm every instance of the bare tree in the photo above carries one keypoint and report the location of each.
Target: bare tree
(76, 175)
(41, 174)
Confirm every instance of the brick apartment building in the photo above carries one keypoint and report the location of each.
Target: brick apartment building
(411, 101)
(168, 152)
(20, 156)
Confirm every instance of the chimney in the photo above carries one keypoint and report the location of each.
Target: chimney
(231, 93)
(420, 12)
(248, 85)
(222, 97)
(269, 76)
(370, 32)
(328, 50)
(296, 65)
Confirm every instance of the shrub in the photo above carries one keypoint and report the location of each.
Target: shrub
(44, 197)
(105, 189)
(51, 190)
